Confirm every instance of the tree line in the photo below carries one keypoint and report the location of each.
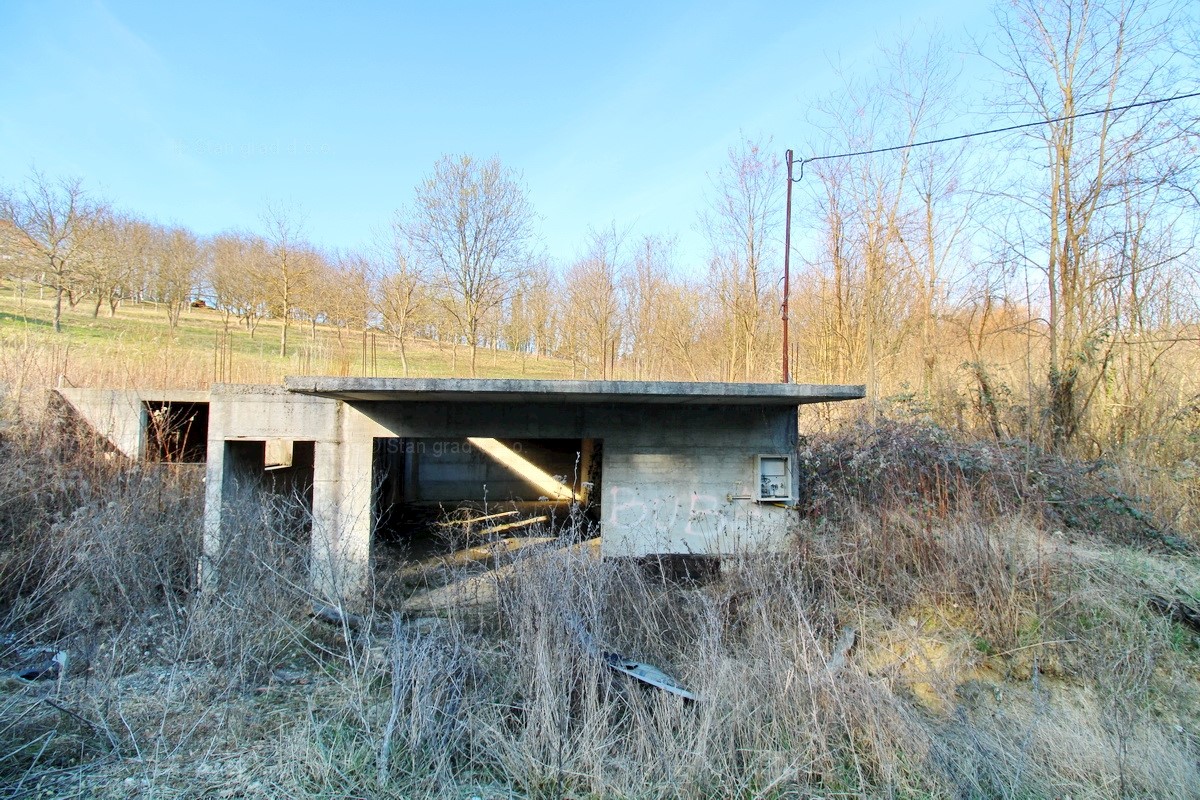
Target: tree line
(1040, 283)
(459, 265)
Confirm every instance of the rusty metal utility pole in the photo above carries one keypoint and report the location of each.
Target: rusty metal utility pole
(787, 255)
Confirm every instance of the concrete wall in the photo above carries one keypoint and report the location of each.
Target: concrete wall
(119, 415)
(675, 478)
(680, 479)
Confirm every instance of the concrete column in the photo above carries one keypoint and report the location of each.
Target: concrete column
(214, 481)
(341, 536)
(234, 470)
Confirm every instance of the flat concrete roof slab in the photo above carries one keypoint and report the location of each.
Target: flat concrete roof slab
(543, 391)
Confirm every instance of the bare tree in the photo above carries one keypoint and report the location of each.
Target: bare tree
(225, 256)
(239, 264)
(291, 264)
(837, 278)
(350, 301)
(892, 221)
(864, 209)
(644, 289)
(594, 292)
(932, 230)
(741, 224)
(472, 222)
(531, 316)
(175, 256)
(1062, 58)
(102, 270)
(317, 293)
(16, 261)
(401, 291)
(541, 297)
(52, 221)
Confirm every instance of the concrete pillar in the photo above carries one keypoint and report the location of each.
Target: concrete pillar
(214, 483)
(234, 470)
(341, 536)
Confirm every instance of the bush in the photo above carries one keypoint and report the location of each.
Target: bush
(925, 471)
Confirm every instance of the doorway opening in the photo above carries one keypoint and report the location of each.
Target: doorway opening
(267, 514)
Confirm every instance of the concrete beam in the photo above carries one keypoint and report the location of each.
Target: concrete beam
(525, 391)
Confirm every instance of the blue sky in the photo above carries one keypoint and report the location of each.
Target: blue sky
(201, 114)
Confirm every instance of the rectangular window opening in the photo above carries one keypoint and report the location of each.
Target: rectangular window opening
(176, 432)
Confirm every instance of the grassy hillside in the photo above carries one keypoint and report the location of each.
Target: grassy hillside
(138, 349)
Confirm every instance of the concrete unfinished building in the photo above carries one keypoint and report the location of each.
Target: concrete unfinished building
(651, 467)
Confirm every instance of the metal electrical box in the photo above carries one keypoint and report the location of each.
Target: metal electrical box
(773, 478)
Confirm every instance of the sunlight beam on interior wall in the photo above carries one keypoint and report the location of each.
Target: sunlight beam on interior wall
(554, 489)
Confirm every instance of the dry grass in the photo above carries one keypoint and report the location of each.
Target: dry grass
(994, 657)
(138, 350)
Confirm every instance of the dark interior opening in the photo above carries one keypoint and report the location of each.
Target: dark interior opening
(680, 568)
(176, 432)
(269, 498)
(435, 495)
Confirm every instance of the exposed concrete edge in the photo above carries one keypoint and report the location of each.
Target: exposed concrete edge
(74, 395)
(525, 390)
(249, 388)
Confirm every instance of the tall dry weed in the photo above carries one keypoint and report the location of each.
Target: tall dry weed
(1054, 676)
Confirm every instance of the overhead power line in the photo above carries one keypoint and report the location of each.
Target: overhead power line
(791, 162)
(992, 131)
